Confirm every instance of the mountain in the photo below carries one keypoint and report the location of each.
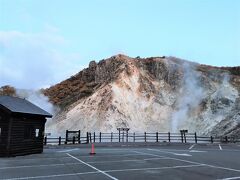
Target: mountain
(149, 94)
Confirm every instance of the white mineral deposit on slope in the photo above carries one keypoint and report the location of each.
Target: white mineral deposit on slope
(124, 103)
(211, 117)
(142, 113)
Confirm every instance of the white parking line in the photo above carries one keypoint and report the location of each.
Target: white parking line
(220, 147)
(217, 167)
(40, 165)
(157, 168)
(68, 150)
(192, 146)
(230, 178)
(196, 151)
(90, 162)
(95, 172)
(66, 157)
(176, 154)
(106, 174)
(51, 176)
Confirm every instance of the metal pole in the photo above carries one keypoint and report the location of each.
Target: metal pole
(169, 137)
(79, 136)
(195, 135)
(59, 140)
(119, 136)
(145, 136)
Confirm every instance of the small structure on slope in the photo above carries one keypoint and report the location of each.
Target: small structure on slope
(22, 127)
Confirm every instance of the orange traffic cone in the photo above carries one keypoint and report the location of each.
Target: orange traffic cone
(92, 150)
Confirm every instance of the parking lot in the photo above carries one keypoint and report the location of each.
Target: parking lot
(162, 161)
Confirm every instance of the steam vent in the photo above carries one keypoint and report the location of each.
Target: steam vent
(156, 94)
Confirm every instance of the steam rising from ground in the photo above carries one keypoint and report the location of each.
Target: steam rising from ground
(190, 96)
(37, 98)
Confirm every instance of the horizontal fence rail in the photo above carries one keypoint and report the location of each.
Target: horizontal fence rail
(93, 137)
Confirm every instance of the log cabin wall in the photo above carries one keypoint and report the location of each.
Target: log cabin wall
(4, 125)
(27, 134)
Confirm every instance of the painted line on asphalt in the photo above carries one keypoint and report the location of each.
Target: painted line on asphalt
(193, 162)
(51, 176)
(96, 172)
(66, 157)
(106, 174)
(173, 153)
(128, 160)
(90, 162)
(230, 178)
(196, 151)
(220, 147)
(157, 168)
(192, 146)
(68, 150)
(40, 165)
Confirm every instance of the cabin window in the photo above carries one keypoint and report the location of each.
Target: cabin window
(37, 132)
(28, 132)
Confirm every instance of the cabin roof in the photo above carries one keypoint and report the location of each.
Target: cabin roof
(18, 105)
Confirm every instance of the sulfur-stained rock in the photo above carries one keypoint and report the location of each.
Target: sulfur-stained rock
(149, 94)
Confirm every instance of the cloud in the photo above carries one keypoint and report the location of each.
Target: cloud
(35, 60)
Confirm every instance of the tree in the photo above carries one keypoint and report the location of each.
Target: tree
(7, 91)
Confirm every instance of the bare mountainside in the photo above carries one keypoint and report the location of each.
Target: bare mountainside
(149, 94)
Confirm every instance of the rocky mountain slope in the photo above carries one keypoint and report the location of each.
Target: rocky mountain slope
(151, 94)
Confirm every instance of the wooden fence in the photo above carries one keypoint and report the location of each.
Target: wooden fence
(138, 137)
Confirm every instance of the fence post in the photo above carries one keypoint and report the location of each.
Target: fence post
(66, 137)
(181, 136)
(87, 138)
(94, 137)
(59, 140)
(134, 137)
(79, 136)
(169, 137)
(119, 140)
(195, 136)
(156, 136)
(226, 139)
(211, 139)
(100, 137)
(185, 139)
(90, 136)
(45, 140)
(145, 136)
(73, 139)
(111, 136)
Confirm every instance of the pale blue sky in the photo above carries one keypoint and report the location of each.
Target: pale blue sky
(70, 33)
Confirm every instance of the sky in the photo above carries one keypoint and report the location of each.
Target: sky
(43, 42)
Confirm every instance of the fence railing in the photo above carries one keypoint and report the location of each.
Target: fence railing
(138, 137)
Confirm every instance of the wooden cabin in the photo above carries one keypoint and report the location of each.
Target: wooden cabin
(22, 127)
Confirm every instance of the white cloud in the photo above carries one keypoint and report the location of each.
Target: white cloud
(35, 60)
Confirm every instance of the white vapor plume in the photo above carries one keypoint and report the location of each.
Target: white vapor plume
(191, 95)
(37, 98)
